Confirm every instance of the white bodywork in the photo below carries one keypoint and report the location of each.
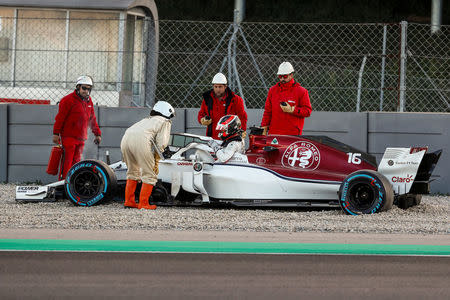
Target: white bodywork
(400, 167)
(242, 180)
(37, 193)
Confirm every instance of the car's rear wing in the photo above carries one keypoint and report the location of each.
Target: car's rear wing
(409, 169)
(421, 184)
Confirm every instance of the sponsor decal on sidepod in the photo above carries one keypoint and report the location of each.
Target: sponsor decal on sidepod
(303, 155)
(407, 179)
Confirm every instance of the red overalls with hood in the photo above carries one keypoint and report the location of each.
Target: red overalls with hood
(216, 108)
(280, 122)
(71, 123)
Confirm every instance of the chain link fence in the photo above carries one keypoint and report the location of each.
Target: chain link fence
(43, 52)
(428, 69)
(345, 67)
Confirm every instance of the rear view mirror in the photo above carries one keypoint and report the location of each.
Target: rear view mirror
(270, 148)
(256, 130)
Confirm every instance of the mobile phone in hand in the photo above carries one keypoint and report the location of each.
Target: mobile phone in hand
(283, 103)
(207, 118)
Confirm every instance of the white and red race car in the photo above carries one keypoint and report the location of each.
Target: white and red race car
(275, 171)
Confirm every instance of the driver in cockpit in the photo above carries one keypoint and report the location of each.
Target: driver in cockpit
(233, 146)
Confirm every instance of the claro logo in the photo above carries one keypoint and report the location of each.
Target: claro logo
(407, 179)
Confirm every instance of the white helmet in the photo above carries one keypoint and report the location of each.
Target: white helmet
(87, 80)
(219, 78)
(285, 68)
(164, 108)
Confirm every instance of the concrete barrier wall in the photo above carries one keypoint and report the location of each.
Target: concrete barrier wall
(26, 131)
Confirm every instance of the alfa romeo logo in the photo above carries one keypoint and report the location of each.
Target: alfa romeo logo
(303, 155)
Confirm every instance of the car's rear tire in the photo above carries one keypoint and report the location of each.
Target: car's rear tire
(90, 182)
(365, 192)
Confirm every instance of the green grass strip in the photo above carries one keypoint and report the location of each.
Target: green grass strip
(219, 247)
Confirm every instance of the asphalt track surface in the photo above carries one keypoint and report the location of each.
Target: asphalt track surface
(56, 275)
(56, 264)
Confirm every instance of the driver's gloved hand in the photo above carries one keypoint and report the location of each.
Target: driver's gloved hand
(167, 153)
(214, 145)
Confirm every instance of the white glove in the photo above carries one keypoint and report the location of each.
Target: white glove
(214, 145)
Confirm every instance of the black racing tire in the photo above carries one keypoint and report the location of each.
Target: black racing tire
(365, 192)
(159, 194)
(90, 182)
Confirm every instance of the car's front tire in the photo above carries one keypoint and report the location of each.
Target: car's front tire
(365, 192)
(160, 194)
(90, 182)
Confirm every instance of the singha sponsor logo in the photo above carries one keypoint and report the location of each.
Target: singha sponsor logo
(303, 155)
(407, 179)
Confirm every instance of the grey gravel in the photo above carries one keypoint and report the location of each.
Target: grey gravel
(430, 217)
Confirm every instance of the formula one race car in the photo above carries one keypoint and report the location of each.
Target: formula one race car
(275, 171)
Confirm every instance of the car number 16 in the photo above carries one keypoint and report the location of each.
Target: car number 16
(354, 158)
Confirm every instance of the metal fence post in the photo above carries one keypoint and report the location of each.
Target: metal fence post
(121, 44)
(151, 63)
(383, 65)
(66, 50)
(361, 71)
(402, 87)
(13, 50)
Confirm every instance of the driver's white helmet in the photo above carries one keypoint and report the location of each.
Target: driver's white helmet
(165, 109)
(219, 78)
(87, 80)
(285, 68)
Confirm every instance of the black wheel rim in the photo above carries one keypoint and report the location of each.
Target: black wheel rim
(86, 184)
(362, 196)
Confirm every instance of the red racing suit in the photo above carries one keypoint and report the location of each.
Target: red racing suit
(280, 122)
(71, 123)
(216, 108)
